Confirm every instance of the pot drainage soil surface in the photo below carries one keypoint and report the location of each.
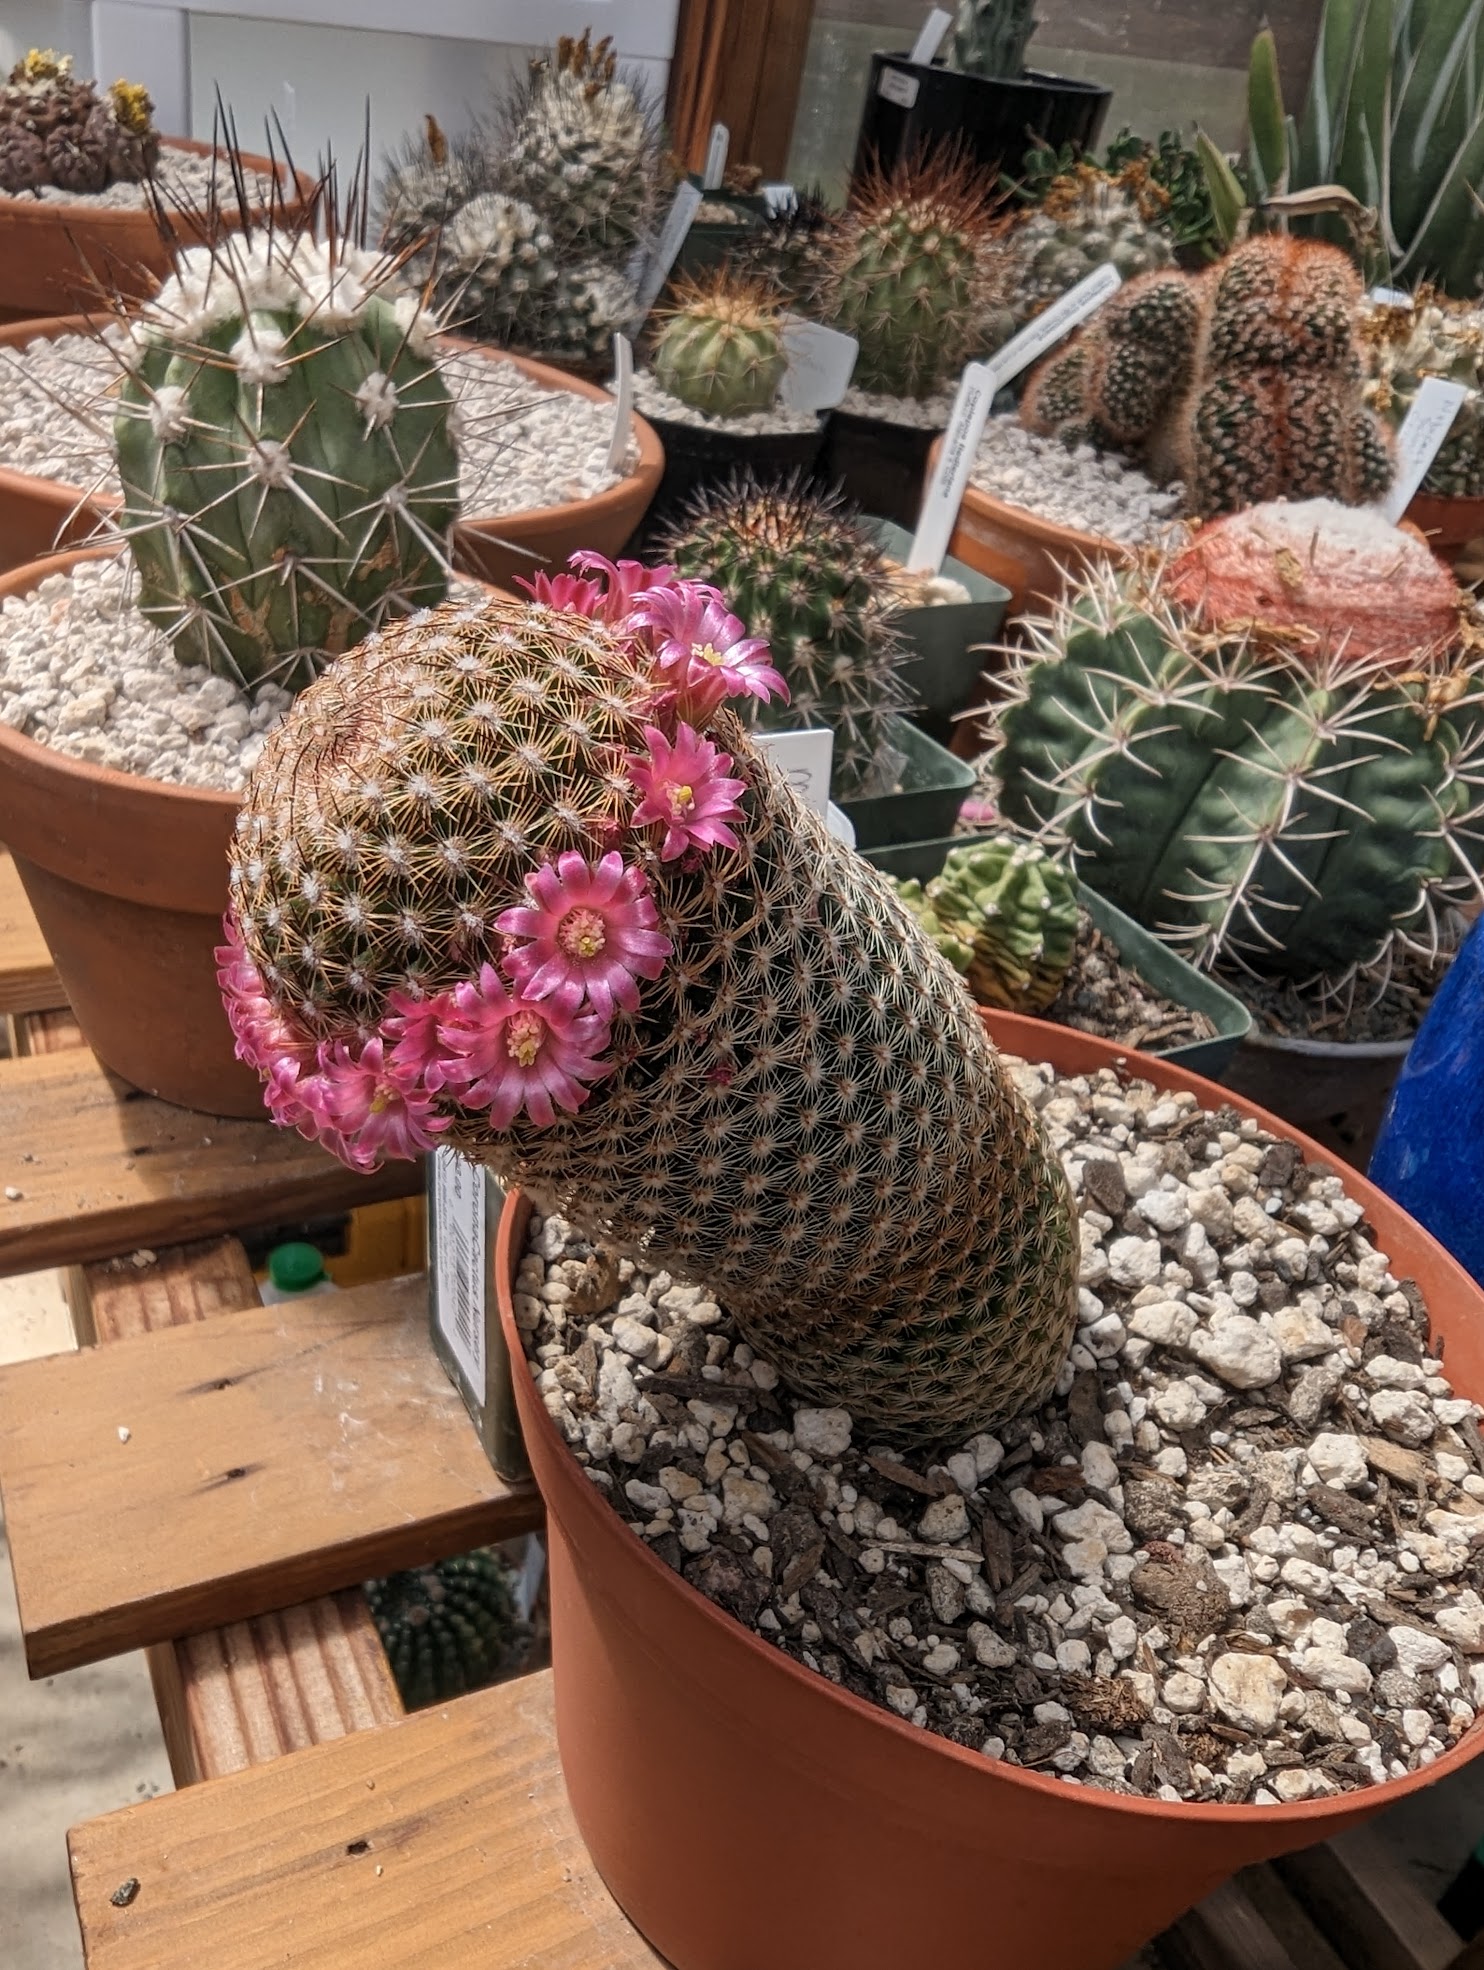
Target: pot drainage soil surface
(1394, 1013)
(1231, 1560)
(1101, 995)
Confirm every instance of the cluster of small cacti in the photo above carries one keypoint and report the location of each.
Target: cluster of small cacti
(720, 349)
(57, 130)
(797, 564)
(286, 452)
(1006, 914)
(513, 877)
(449, 1628)
(1244, 382)
(1085, 219)
(1164, 176)
(1270, 751)
(1430, 336)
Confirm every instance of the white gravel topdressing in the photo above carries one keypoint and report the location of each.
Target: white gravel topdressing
(520, 446)
(184, 178)
(919, 413)
(1088, 491)
(652, 401)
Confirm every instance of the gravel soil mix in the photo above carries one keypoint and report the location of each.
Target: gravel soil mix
(1234, 1558)
(1074, 486)
(1101, 995)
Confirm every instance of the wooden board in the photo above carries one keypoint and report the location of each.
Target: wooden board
(28, 978)
(1370, 1908)
(272, 1454)
(103, 1169)
(443, 1842)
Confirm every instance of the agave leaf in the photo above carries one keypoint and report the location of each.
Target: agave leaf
(1359, 159)
(1322, 128)
(1266, 121)
(1436, 106)
(1228, 200)
(1448, 246)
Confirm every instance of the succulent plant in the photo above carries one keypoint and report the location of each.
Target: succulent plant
(428, 183)
(285, 446)
(1115, 385)
(720, 349)
(56, 130)
(496, 269)
(1087, 219)
(1165, 177)
(787, 252)
(1430, 336)
(1268, 751)
(990, 37)
(450, 1627)
(1012, 911)
(797, 564)
(512, 877)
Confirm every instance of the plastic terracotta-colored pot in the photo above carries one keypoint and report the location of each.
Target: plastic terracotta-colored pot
(1034, 558)
(53, 253)
(1449, 524)
(745, 1811)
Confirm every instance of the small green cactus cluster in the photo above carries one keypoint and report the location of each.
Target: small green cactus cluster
(990, 37)
(449, 1628)
(1269, 752)
(56, 130)
(720, 348)
(1244, 381)
(1086, 219)
(285, 446)
(1431, 336)
(1007, 915)
(796, 563)
(1164, 176)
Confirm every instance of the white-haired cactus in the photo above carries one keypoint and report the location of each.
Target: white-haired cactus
(286, 449)
(1269, 751)
(433, 178)
(512, 877)
(1430, 336)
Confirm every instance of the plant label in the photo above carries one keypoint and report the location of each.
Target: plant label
(804, 759)
(459, 1222)
(683, 208)
(898, 87)
(820, 364)
(779, 199)
(1059, 320)
(1389, 297)
(716, 157)
(840, 824)
(1418, 442)
(930, 37)
(623, 399)
(976, 392)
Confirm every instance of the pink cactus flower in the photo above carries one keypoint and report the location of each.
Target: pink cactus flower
(591, 935)
(518, 1053)
(685, 787)
(600, 589)
(703, 651)
(296, 1100)
(569, 593)
(263, 1033)
(412, 1027)
(373, 1110)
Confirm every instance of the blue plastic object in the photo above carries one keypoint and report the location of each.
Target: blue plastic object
(1432, 1138)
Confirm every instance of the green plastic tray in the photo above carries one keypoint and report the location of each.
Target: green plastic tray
(944, 666)
(1140, 950)
(935, 786)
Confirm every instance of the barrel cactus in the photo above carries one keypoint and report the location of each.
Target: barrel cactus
(286, 449)
(513, 877)
(432, 178)
(1267, 751)
(1431, 336)
(450, 1627)
(1087, 218)
(1011, 910)
(798, 565)
(720, 349)
(497, 269)
(57, 130)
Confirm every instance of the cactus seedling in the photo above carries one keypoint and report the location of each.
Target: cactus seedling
(721, 349)
(56, 130)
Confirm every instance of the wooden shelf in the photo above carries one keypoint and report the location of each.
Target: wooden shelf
(28, 978)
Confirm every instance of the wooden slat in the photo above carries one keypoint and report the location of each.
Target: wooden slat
(443, 1842)
(1368, 1905)
(111, 1170)
(273, 1454)
(46, 1032)
(1250, 1923)
(28, 978)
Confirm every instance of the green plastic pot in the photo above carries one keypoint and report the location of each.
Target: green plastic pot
(935, 786)
(944, 664)
(1162, 969)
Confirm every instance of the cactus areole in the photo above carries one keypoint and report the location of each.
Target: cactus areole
(513, 878)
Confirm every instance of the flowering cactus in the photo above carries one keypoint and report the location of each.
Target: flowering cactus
(514, 878)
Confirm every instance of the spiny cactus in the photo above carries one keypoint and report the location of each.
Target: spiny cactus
(721, 348)
(1241, 770)
(448, 1628)
(798, 565)
(990, 37)
(285, 446)
(1088, 218)
(514, 878)
(1113, 386)
(1013, 911)
(906, 275)
(56, 130)
(497, 267)
(1430, 336)
(787, 252)
(430, 181)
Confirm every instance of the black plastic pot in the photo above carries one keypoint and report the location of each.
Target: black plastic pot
(882, 466)
(945, 664)
(711, 241)
(934, 787)
(697, 456)
(994, 119)
(1333, 1090)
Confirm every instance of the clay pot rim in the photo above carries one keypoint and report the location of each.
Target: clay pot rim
(57, 213)
(1018, 1034)
(1335, 1050)
(1047, 533)
(516, 528)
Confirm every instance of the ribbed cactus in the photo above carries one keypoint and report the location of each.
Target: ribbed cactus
(1012, 910)
(513, 877)
(906, 276)
(990, 37)
(448, 1628)
(1087, 218)
(1115, 384)
(797, 564)
(286, 451)
(1430, 337)
(497, 268)
(56, 130)
(1268, 752)
(721, 348)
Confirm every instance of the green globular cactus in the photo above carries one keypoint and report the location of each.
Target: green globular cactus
(798, 565)
(449, 1628)
(990, 37)
(56, 130)
(721, 349)
(1016, 909)
(957, 949)
(1115, 383)
(1270, 752)
(286, 450)
(1088, 218)
(1430, 336)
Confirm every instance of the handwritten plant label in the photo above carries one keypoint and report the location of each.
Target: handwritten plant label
(683, 209)
(716, 157)
(821, 362)
(805, 760)
(898, 87)
(1420, 439)
(930, 35)
(623, 400)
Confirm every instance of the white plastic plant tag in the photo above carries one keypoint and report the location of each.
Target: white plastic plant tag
(804, 759)
(1418, 442)
(683, 208)
(1390, 297)
(458, 1262)
(1058, 320)
(623, 399)
(820, 364)
(779, 199)
(945, 491)
(840, 824)
(716, 157)
(930, 35)
(898, 87)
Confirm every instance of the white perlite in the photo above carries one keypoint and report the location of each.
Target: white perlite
(652, 401)
(916, 413)
(183, 177)
(1159, 1557)
(1074, 486)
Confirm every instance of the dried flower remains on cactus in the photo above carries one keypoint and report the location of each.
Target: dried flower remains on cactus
(514, 878)
(57, 130)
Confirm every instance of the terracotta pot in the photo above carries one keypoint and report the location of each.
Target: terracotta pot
(743, 1810)
(54, 254)
(1448, 524)
(1032, 557)
(39, 515)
